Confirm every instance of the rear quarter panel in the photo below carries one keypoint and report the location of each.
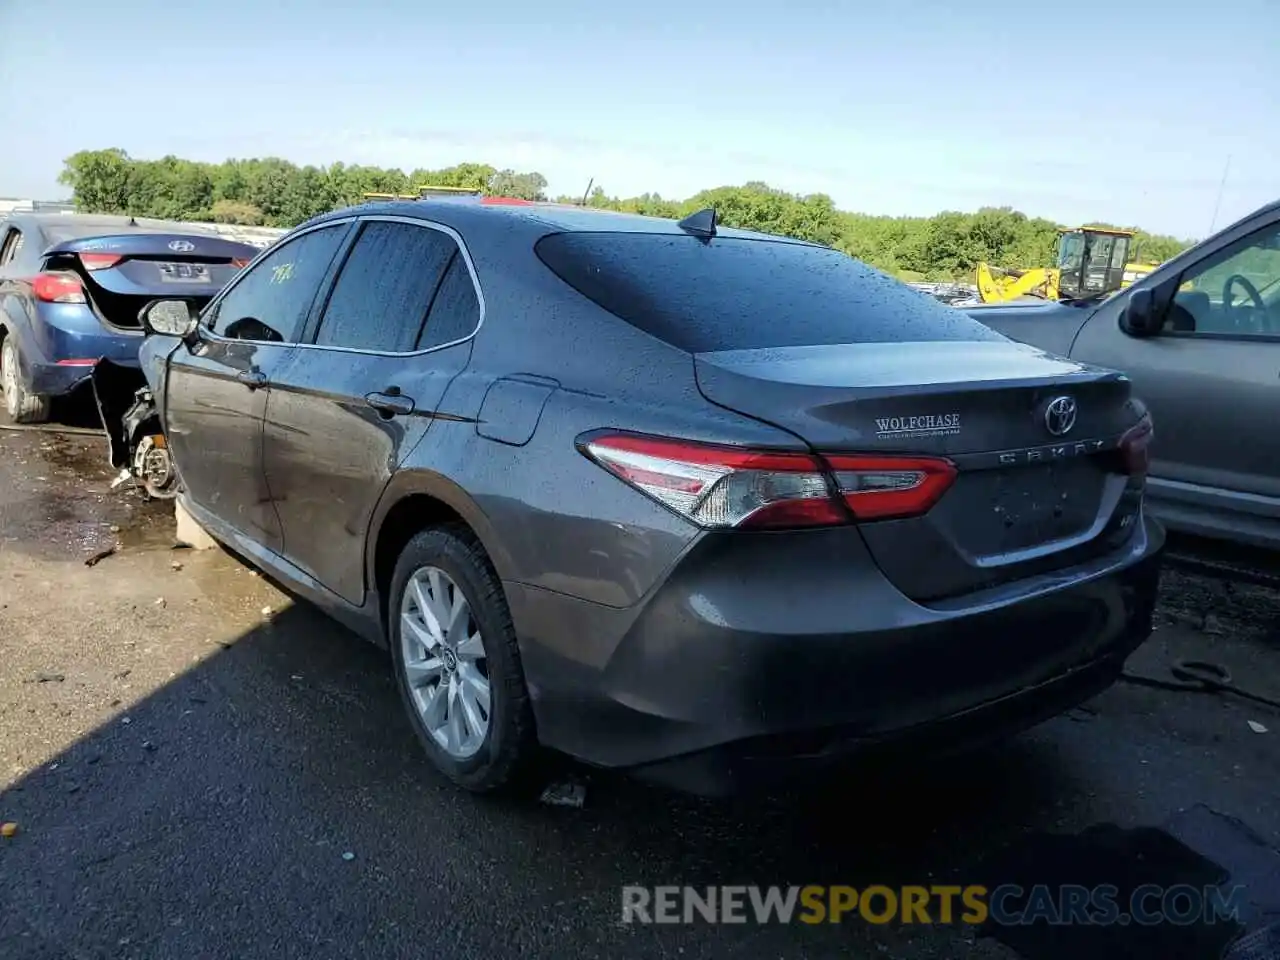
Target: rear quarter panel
(560, 522)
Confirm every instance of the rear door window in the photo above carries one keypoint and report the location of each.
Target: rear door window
(739, 294)
(9, 249)
(455, 312)
(272, 299)
(386, 287)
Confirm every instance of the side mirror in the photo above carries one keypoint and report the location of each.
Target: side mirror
(1139, 318)
(169, 318)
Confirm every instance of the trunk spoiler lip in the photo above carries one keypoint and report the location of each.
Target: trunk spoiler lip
(157, 244)
(918, 367)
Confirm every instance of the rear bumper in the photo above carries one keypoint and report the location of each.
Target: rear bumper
(769, 655)
(63, 344)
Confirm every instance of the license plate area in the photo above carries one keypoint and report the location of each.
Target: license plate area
(1031, 506)
(184, 273)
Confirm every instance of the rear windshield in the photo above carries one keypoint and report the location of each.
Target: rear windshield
(738, 294)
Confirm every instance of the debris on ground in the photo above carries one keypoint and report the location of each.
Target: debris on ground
(8, 829)
(177, 564)
(348, 856)
(100, 556)
(564, 793)
(44, 677)
(1257, 727)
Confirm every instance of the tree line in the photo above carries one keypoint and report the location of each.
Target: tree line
(275, 192)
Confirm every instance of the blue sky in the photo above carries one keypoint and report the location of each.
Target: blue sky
(901, 108)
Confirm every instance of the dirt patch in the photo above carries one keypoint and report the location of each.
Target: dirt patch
(56, 501)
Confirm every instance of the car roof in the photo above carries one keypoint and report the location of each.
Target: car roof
(540, 217)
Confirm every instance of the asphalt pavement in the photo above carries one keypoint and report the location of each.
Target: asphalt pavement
(200, 767)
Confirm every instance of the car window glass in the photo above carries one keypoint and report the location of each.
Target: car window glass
(1235, 291)
(455, 313)
(385, 287)
(12, 244)
(739, 294)
(273, 297)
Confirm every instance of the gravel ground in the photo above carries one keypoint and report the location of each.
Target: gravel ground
(198, 767)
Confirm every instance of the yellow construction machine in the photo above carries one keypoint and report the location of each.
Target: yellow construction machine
(423, 192)
(1092, 262)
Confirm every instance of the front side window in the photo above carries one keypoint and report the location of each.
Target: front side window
(1236, 291)
(1071, 251)
(386, 287)
(273, 298)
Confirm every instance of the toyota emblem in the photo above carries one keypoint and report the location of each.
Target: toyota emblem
(181, 246)
(1060, 415)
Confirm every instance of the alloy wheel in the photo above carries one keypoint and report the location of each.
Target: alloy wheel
(444, 662)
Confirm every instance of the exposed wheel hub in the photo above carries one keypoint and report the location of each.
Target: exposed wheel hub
(153, 466)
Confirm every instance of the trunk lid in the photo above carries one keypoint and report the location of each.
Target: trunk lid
(1024, 499)
(123, 273)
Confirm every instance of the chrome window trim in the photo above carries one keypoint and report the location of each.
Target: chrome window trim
(388, 218)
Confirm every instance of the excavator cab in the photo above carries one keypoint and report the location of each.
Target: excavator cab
(1091, 262)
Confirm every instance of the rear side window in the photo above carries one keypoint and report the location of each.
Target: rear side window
(386, 287)
(737, 294)
(456, 310)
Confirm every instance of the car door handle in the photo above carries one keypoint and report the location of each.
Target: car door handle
(390, 404)
(253, 379)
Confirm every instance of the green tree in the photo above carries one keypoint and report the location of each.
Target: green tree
(273, 191)
(526, 186)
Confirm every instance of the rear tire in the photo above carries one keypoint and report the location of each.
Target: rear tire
(22, 407)
(463, 688)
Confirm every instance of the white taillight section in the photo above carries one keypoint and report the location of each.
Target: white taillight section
(55, 287)
(1135, 446)
(886, 488)
(716, 486)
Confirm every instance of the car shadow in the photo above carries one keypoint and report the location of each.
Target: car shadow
(274, 794)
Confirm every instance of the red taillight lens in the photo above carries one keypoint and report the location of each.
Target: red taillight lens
(1135, 446)
(715, 486)
(239, 263)
(99, 261)
(58, 288)
(885, 488)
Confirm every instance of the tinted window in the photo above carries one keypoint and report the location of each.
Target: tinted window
(455, 313)
(733, 294)
(386, 287)
(12, 244)
(272, 299)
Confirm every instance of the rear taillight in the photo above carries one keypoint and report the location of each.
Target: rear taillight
(716, 486)
(58, 288)
(1135, 447)
(99, 261)
(239, 263)
(884, 488)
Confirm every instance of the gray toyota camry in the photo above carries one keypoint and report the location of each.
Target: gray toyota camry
(715, 507)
